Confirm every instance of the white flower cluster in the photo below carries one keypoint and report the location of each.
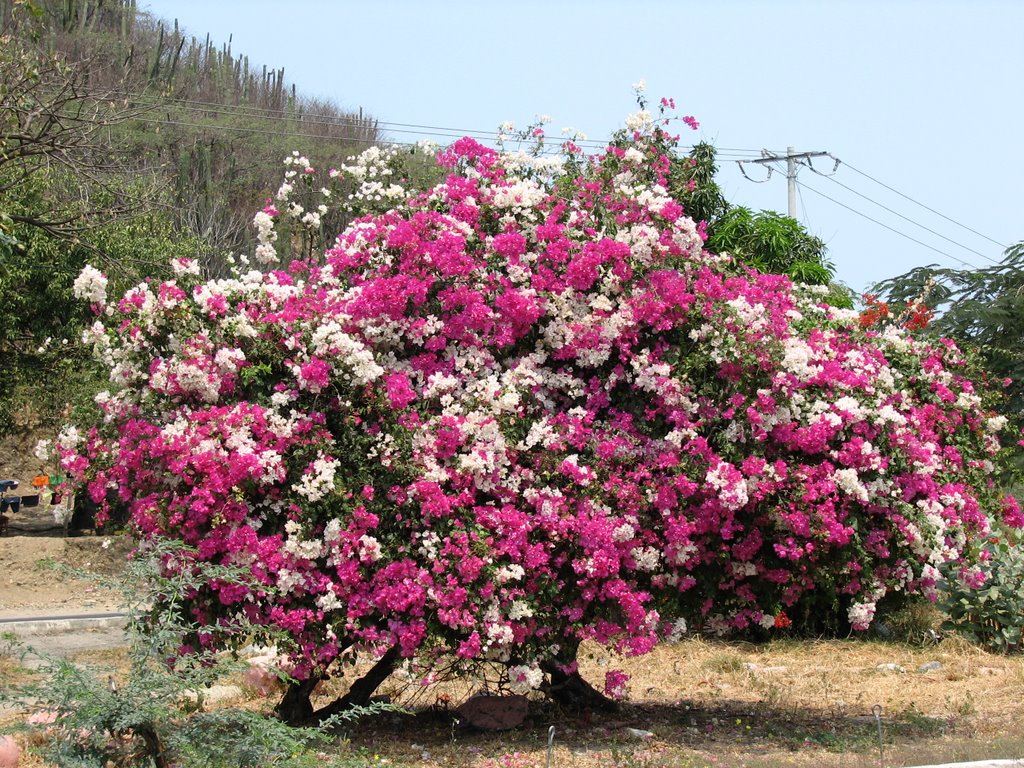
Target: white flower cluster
(848, 481)
(542, 166)
(91, 285)
(507, 573)
(69, 438)
(752, 316)
(298, 161)
(43, 450)
(623, 533)
(330, 341)
(525, 678)
(798, 356)
(520, 197)
(371, 170)
(733, 495)
(318, 480)
(678, 630)
(861, 614)
(266, 236)
(639, 121)
(298, 546)
(646, 558)
(182, 267)
(369, 549)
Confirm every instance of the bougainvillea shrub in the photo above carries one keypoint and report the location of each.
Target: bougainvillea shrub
(525, 407)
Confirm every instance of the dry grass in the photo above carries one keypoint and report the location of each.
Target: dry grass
(725, 704)
(785, 703)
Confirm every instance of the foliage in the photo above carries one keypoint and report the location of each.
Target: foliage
(767, 241)
(994, 614)
(64, 201)
(771, 242)
(52, 118)
(518, 410)
(152, 713)
(982, 309)
(208, 119)
(42, 320)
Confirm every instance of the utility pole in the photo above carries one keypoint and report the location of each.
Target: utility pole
(791, 158)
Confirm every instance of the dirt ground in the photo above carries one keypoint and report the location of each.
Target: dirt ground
(37, 562)
(37, 574)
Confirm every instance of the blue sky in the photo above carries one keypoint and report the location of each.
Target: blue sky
(924, 97)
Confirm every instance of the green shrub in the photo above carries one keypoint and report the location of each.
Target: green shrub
(912, 619)
(149, 714)
(992, 615)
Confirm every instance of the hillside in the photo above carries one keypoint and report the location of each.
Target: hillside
(127, 142)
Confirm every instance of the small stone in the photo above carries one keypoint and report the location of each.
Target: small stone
(991, 671)
(890, 667)
(930, 666)
(639, 733)
(10, 752)
(215, 694)
(494, 713)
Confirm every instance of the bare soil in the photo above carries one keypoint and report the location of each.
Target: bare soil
(43, 572)
(48, 575)
(17, 457)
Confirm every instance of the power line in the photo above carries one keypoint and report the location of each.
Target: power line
(791, 157)
(300, 134)
(915, 202)
(285, 134)
(307, 119)
(313, 118)
(807, 216)
(905, 218)
(886, 226)
(269, 113)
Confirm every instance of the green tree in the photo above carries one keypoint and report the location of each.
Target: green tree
(982, 309)
(765, 240)
(67, 198)
(42, 320)
(53, 125)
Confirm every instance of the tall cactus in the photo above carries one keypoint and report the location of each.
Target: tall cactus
(154, 71)
(177, 54)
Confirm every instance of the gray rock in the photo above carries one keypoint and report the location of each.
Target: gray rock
(930, 666)
(494, 713)
(639, 733)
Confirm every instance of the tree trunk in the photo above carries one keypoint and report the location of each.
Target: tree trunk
(362, 690)
(570, 690)
(295, 708)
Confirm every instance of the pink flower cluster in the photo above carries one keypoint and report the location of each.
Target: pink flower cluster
(511, 414)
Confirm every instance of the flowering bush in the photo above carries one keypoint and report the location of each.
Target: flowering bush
(525, 407)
